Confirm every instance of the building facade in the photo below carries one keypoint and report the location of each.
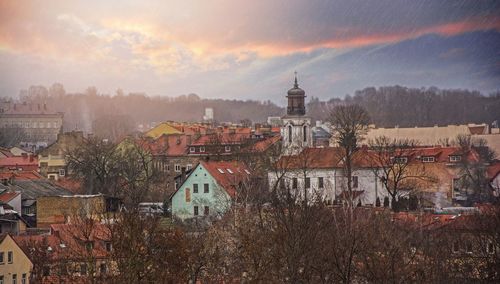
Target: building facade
(296, 129)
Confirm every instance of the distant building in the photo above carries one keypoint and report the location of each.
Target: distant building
(25, 162)
(296, 128)
(39, 125)
(209, 114)
(52, 160)
(274, 121)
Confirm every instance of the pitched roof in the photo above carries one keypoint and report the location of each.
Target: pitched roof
(7, 196)
(163, 128)
(228, 174)
(19, 161)
(32, 186)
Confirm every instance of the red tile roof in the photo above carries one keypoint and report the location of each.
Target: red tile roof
(26, 163)
(228, 174)
(5, 197)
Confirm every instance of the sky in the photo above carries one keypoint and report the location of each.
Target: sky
(240, 49)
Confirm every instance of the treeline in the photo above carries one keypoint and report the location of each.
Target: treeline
(387, 107)
(408, 107)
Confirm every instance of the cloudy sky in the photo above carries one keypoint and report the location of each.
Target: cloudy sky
(249, 49)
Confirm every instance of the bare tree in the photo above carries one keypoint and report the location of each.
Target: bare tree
(473, 165)
(349, 123)
(392, 161)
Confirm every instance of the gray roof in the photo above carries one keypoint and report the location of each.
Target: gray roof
(32, 189)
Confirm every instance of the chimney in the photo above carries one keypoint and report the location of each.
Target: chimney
(183, 174)
(31, 157)
(188, 139)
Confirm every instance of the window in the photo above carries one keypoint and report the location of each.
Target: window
(103, 267)
(83, 269)
(195, 210)
(109, 246)
(177, 168)
(191, 150)
(455, 158)
(10, 257)
(428, 159)
(308, 182)
(1, 279)
(289, 134)
(227, 148)
(205, 188)
(490, 248)
(2, 257)
(305, 133)
(230, 171)
(89, 245)
(355, 181)
(455, 247)
(401, 160)
(320, 182)
(202, 149)
(23, 278)
(62, 172)
(468, 247)
(206, 211)
(195, 188)
(188, 195)
(14, 278)
(294, 183)
(189, 166)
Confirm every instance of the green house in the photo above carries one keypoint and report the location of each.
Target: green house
(209, 190)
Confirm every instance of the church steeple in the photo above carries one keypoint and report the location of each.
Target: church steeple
(296, 100)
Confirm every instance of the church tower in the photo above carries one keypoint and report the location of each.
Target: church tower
(296, 130)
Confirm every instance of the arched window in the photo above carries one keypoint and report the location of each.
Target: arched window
(289, 134)
(305, 133)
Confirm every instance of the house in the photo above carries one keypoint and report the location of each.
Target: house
(52, 160)
(69, 254)
(15, 266)
(209, 190)
(31, 185)
(61, 209)
(318, 173)
(10, 220)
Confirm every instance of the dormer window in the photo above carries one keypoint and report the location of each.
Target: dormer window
(428, 159)
(455, 158)
(400, 160)
(227, 148)
(191, 149)
(202, 149)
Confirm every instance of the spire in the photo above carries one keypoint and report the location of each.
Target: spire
(296, 85)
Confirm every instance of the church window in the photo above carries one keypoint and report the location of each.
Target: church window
(305, 133)
(289, 134)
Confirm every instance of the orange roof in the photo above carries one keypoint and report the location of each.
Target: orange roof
(5, 197)
(264, 144)
(19, 161)
(228, 174)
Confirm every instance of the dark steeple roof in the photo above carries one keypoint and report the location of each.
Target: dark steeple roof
(296, 97)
